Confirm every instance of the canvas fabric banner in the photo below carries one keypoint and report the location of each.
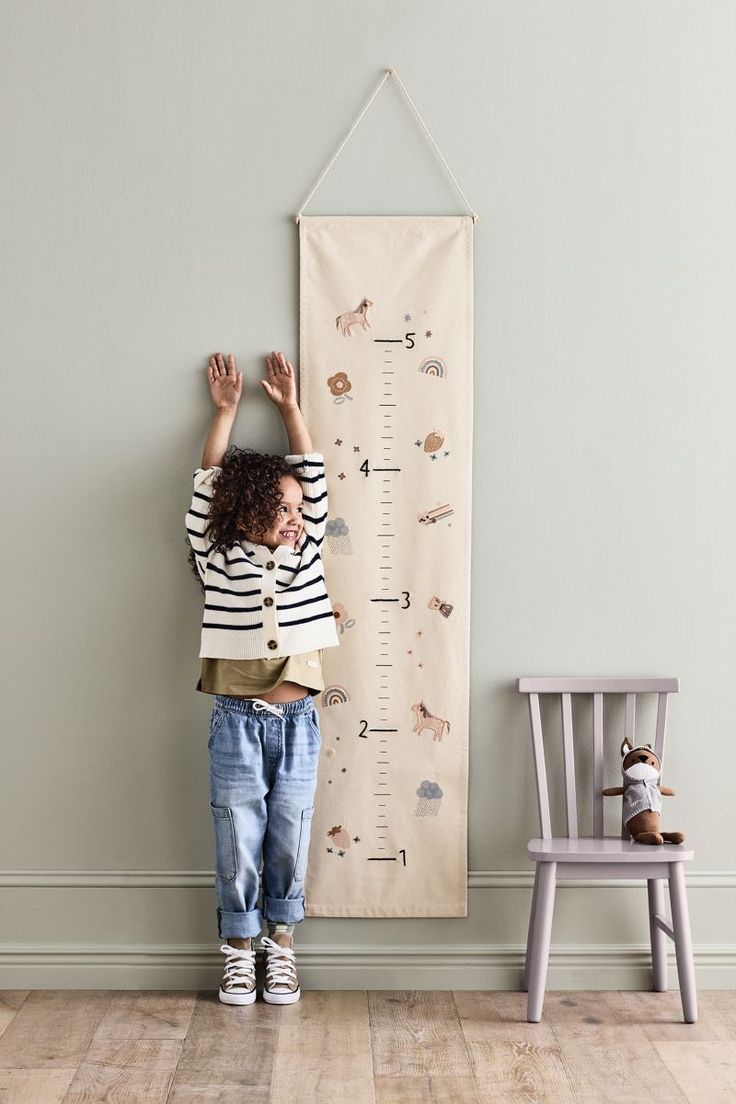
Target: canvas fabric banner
(386, 388)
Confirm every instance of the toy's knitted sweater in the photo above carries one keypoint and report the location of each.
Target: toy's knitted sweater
(640, 794)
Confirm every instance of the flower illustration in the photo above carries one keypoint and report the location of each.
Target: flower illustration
(342, 620)
(339, 384)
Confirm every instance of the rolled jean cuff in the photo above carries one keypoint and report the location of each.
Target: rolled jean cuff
(239, 924)
(281, 911)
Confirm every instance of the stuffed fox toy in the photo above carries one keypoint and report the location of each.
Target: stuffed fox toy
(642, 794)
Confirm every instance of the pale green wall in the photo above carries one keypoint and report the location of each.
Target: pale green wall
(154, 155)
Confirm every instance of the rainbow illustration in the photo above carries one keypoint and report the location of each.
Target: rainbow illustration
(335, 695)
(433, 366)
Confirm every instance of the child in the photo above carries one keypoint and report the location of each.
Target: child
(256, 526)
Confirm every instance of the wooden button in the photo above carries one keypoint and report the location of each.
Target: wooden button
(268, 601)
(273, 644)
(270, 565)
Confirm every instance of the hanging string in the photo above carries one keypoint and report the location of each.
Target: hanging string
(439, 154)
(384, 78)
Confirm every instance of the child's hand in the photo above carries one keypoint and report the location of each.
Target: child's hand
(226, 385)
(280, 385)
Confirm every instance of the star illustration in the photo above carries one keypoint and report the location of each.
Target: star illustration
(341, 475)
(343, 770)
(338, 441)
(341, 853)
(356, 448)
(330, 850)
(419, 632)
(407, 318)
(356, 839)
(428, 333)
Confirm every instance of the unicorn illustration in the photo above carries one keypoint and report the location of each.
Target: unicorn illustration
(343, 322)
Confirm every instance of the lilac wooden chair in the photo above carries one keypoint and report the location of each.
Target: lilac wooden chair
(599, 856)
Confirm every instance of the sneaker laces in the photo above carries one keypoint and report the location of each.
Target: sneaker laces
(280, 965)
(240, 968)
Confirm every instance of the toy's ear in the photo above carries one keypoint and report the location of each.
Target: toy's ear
(626, 747)
(650, 747)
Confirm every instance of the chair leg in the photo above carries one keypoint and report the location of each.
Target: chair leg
(655, 892)
(683, 942)
(539, 957)
(530, 932)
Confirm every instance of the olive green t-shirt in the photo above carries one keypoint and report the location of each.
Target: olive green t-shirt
(252, 677)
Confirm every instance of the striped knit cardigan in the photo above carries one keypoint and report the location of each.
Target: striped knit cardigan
(263, 603)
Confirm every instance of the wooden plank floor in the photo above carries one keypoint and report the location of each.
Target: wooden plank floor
(358, 1047)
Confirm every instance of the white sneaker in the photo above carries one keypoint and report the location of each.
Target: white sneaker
(238, 984)
(282, 984)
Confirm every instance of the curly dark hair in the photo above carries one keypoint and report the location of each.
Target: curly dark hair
(246, 492)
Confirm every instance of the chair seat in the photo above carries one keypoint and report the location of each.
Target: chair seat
(609, 849)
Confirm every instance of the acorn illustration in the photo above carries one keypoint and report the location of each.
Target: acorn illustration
(339, 836)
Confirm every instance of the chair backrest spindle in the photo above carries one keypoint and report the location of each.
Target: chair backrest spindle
(540, 770)
(571, 804)
(659, 739)
(598, 764)
(630, 723)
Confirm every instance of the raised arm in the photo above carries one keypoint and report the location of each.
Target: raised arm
(198, 515)
(296, 430)
(307, 466)
(281, 390)
(218, 438)
(226, 386)
(309, 469)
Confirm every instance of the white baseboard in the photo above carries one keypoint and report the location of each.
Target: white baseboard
(199, 966)
(344, 966)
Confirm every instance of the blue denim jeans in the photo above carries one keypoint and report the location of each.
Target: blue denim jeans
(263, 774)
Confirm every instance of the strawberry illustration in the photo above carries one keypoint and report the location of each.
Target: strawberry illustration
(339, 836)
